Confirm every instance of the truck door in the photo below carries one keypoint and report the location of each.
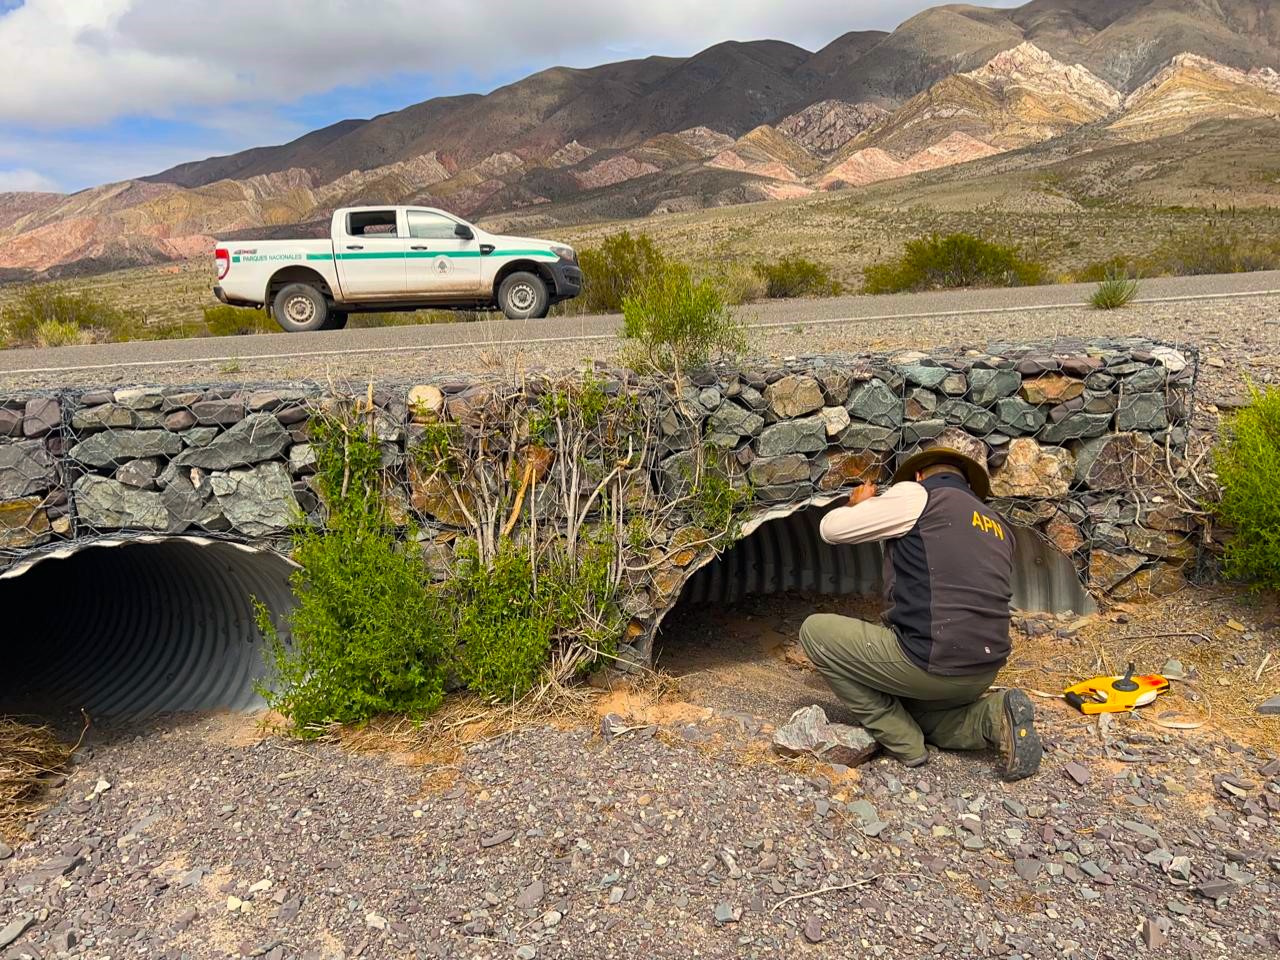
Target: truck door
(369, 248)
(439, 262)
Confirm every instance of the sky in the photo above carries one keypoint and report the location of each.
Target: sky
(102, 90)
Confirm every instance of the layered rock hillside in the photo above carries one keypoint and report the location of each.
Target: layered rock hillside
(737, 123)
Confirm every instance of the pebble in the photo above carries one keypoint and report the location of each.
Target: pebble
(1270, 707)
(1077, 772)
(493, 840)
(1155, 933)
(531, 895)
(813, 929)
(725, 913)
(6, 851)
(14, 929)
(526, 952)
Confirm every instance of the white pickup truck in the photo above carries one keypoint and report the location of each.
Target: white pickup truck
(394, 258)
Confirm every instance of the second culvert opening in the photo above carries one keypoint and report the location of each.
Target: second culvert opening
(732, 635)
(138, 628)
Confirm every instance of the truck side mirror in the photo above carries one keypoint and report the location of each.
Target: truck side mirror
(463, 232)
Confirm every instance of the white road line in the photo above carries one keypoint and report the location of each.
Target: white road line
(583, 338)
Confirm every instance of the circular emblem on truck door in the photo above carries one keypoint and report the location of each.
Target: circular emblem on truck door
(442, 265)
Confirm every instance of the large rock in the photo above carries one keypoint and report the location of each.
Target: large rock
(1052, 388)
(1152, 583)
(970, 416)
(42, 414)
(189, 507)
(23, 523)
(779, 471)
(1117, 461)
(735, 421)
(921, 430)
(988, 386)
(213, 413)
(10, 422)
(1065, 535)
(836, 419)
(866, 436)
(1076, 426)
(114, 447)
(1142, 411)
(103, 504)
(108, 416)
(925, 375)
(1108, 569)
(258, 501)
(258, 437)
(806, 435)
(473, 406)
(431, 493)
(810, 732)
(840, 469)
(25, 468)
(877, 403)
(426, 403)
(920, 404)
(1166, 544)
(794, 396)
(1031, 470)
(1016, 416)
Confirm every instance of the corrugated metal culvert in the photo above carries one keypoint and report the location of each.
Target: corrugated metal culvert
(788, 553)
(132, 629)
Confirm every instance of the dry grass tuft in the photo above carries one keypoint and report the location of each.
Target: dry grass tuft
(28, 757)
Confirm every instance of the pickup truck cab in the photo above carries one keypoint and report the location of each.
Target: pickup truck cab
(394, 258)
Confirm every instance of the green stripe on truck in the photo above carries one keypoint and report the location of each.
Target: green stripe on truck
(431, 254)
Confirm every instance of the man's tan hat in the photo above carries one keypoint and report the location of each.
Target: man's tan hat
(963, 451)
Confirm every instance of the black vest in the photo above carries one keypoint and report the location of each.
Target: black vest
(948, 583)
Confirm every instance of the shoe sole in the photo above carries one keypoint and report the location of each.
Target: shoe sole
(1022, 744)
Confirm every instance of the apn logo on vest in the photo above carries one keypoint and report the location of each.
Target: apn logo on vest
(987, 525)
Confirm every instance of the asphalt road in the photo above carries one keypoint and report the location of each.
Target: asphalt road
(394, 341)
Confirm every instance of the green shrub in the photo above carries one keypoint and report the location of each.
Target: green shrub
(1214, 250)
(52, 307)
(1248, 467)
(614, 270)
(1102, 270)
(679, 323)
(57, 333)
(227, 321)
(365, 634)
(738, 283)
(957, 260)
(797, 277)
(1114, 292)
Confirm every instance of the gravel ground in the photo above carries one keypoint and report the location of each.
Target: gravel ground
(682, 837)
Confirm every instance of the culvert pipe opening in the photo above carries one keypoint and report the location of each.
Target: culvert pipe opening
(749, 602)
(138, 628)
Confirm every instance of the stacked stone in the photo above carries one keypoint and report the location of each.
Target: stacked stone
(33, 498)
(1080, 438)
(190, 461)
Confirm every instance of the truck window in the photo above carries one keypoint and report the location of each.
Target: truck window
(372, 223)
(424, 225)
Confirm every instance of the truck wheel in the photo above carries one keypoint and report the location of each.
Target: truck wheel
(523, 296)
(300, 308)
(336, 321)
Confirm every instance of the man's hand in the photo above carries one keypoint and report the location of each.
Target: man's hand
(862, 494)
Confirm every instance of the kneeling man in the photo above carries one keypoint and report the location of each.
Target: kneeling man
(923, 677)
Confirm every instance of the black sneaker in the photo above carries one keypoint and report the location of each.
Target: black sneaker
(1021, 747)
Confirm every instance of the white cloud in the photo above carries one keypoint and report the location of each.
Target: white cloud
(77, 62)
(21, 181)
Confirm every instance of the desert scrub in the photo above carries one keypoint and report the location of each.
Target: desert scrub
(957, 260)
(797, 277)
(365, 637)
(228, 321)
(675, 322)
(1248, 467)
(738, 283)
(1114, 292)
(614, 270)
(49, 310)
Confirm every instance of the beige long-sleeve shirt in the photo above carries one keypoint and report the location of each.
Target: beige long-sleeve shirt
(892, 514)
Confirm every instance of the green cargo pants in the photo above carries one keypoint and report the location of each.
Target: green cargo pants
(901, 705)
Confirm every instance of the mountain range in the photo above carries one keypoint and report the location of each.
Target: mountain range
(739, 122)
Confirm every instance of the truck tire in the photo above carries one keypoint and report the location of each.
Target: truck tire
(300, 308)
(337, 321)
(523, 296)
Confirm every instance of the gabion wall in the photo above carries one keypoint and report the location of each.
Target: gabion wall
(1084, 440)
